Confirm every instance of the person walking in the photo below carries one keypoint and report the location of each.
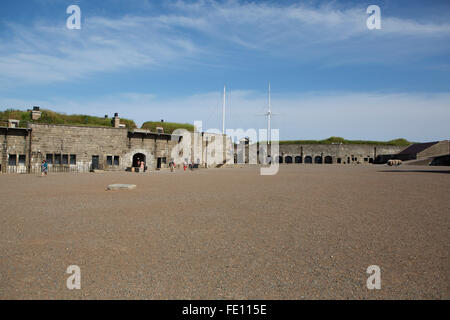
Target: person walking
(44, 168)
(184, 165)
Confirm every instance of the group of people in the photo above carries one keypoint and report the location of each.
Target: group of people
(141, 164)
(186, 165)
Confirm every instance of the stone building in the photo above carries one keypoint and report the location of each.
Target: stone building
(69, 148)
(434, 153)
(334, 153)
(315, 153)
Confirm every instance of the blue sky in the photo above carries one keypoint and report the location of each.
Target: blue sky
(151, 60)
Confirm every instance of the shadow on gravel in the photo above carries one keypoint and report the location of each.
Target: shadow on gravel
(426, 171)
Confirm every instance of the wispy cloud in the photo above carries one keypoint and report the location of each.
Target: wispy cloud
(205, 32)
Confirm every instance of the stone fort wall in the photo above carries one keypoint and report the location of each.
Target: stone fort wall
(314, 153)
(73, 148)
(335, 153)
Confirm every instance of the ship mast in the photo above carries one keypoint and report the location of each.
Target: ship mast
(268, 114)
(223, 109)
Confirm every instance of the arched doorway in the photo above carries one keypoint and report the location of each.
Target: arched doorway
(288, 159)
(280, 159)
(318, 159)
(308, 159)
(328, 159)
(137, 158)
(298, 159)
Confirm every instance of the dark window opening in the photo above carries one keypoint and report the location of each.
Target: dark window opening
(308, 159)
(73, 159)
(109, 160)
(95, 162)
(22, 160)
(158, 163)
(65, 159)
(298, 159)
(49, 158)
(288, 159)
(12, 161)
(57, 159)
(339, 160)
(116, 160)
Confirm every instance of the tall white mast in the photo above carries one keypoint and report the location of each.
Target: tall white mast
(223, 110)
(269, 113)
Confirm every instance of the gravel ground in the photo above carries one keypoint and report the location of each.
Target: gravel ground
(309, 232)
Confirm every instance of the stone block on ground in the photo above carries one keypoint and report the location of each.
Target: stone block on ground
(121, 187)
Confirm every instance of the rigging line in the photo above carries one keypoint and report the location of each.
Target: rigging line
(228, 114)
(214, 110)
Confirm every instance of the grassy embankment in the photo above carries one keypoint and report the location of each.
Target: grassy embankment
(51, 117)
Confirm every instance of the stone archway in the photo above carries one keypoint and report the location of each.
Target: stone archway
(298, 159)
(288, 159)
(308, 159)
(318, 159)
(328, 159)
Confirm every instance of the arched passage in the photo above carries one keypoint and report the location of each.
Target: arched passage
(288, 159)
(318, 159)
(308, 159)
(280, 159)
(298, 159)
(328, 159)
(137, 158)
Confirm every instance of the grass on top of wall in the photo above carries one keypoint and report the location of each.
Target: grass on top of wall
(338, 140)
(51, 117)
(168, 127)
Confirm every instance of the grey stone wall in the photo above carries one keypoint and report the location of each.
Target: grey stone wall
(14, 142)
(336, 153)
(206, 149)
(64, 142)
(315, 153)
(83, 142)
